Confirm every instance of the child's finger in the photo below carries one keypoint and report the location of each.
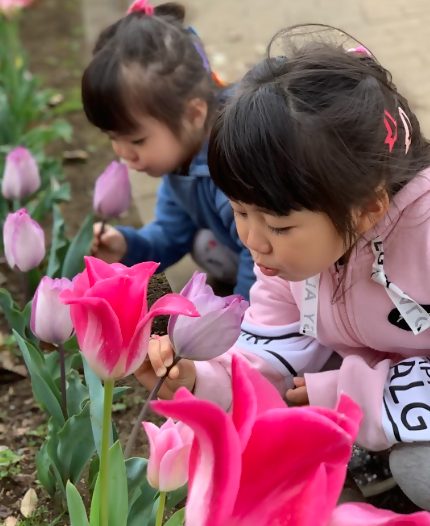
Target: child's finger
(154, 353)
(299, 381)
(166, 351)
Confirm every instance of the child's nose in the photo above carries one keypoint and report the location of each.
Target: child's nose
(125, 151)
(257, 242)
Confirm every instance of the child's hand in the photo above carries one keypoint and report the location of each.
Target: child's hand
(111, 247)
(160, 356)
(298, 395)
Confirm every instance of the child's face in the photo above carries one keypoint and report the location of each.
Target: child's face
(153, 148)
(293, 247)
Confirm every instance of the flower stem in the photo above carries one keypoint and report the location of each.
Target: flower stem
(144, 411)
(160, 511)
(102, 230)
(62, 360)
(104, 457)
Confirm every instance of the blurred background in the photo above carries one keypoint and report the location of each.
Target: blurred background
(60, 34)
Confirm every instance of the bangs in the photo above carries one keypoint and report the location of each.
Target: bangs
(103, 95)
(254, 154)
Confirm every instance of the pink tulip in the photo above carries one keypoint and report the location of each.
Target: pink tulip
(268, 464)
(50, 318)
(21, 174)
(112, 193)
(170, 447)
(23, 240)
(9, 6)
(217, 328)
(110, 315)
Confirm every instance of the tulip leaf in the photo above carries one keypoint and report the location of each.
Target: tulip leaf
(45, 474)
(175, 497)
(96, 391)
(59, 245)
(44, 388)
(118, 498)
(15, 318)
(77, 513)
(95, 505)
(177, 519)
(142, 504)
(73, 455)
(77, 394)
(79, 247)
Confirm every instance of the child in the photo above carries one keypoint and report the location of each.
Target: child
(150, 88)
(328, 175)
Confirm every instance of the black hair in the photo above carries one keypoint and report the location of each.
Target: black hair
(146, 65)
(306, 130)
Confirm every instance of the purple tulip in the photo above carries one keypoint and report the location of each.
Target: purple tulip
(21, 174)
(23, 240)
(112, 194)
(217, 328)
(50, 317)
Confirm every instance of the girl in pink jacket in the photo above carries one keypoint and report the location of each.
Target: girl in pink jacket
(327, 172)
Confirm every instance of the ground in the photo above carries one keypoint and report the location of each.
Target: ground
(53, 32)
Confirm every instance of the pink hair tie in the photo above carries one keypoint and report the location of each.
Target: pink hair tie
(360, 50)
(141, 6)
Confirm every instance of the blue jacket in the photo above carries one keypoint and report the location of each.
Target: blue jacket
(186, 204)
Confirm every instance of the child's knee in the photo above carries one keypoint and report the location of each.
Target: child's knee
(410, 466)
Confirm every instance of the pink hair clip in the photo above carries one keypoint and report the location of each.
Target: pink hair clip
(360, 50)
(141, 6)
(408, 128)
(391, 127)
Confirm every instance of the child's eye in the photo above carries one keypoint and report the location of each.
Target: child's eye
(240, 214)
(139, 142)
(279, 231)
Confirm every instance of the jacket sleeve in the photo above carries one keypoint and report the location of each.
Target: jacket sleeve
(393, 394)
(269, 339)
(166, 239)
(245, 273)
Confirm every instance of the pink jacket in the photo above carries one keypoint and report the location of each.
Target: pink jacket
(382, 337)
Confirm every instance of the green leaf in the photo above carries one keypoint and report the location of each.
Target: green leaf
(77, 394)
(95, 389)
(44, 389)
(175, 497)
(79, 247)
(95, 505)
(73, 455)
(118, 497)
(15, 318)
(77, 513)
(177, 519)
(141, 495)
(45, 474)
(59, 244)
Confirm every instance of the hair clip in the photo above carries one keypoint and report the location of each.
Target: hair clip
(142, 6)
(360, 50)
(408, 129)
(391, 127)
(199, 48)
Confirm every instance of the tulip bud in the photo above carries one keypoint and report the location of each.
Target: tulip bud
(8, 7)
(23, 240)
(170, 447)
(112, 194)
(217, 328)
(50, 317)
(21, 174)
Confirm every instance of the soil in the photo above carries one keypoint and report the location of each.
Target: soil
(54, 40)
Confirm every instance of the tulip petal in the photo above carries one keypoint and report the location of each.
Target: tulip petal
(253, 395)
(98, 332)
(215, 458)
(174, 468)
(354, 514)
(293, 458)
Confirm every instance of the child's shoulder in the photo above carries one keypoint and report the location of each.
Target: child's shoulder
(413, 202)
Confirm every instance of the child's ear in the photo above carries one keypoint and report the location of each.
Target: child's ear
(196, 112)
(369, 215)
